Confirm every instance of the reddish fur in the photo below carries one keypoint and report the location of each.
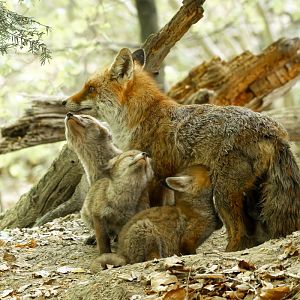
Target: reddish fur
(78, 97)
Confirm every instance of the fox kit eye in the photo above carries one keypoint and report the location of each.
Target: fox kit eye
(91, 89)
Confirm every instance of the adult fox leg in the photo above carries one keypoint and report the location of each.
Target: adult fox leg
(232, 179)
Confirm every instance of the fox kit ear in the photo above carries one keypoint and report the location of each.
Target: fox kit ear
(180, 183)
(122, 67)
(139, 56)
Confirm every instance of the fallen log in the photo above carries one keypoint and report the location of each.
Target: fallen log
(246, 80)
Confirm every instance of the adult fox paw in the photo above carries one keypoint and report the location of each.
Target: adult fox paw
(241, 244)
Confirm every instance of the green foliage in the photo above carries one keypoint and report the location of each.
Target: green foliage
(20, 32)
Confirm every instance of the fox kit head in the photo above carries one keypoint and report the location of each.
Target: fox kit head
(104, 93)
(132, 167)
(191, 181)
(85, 130)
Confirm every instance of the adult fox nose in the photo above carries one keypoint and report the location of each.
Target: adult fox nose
(64, 102)
(69, 114)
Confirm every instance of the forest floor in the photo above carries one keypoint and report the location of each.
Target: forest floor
(52, 262)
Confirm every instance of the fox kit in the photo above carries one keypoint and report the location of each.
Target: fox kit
(242, 149)
(92, 141)
(114, 199)
(167, 230)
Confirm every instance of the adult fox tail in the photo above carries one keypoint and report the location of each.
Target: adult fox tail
(281, 194)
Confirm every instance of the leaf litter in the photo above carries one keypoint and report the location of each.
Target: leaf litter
(52, 261)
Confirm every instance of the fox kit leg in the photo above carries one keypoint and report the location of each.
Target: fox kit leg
(231, 181)
(102, 238)
(198, 230)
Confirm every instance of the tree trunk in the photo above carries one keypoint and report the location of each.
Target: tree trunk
(147, 14)
(148, 19)
(54, 188)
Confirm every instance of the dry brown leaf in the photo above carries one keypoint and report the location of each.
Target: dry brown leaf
(236, 295)
(4, 267)
(176, 294)
(210, 287)
(274, 275)
(243, 287)
(209, 276)
(161, 282)
(40, 274)
(2, 243)
(289, 251)
(22, 264)
(234, 269)
(9, 257)
(6, 293)
(35, 294)
(196, 286)
(22, 288)
(246, 276)
(173, 261)
(244, 265)
(49, 281)
(212, 268)
(30, 244)
(276, 293)
(132, 276)
(66, 269)
(150, 297)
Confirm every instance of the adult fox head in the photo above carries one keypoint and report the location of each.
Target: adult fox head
(105, 93)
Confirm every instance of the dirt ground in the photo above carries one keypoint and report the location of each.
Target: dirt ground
(52, 262)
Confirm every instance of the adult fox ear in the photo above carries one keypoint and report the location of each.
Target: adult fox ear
(139, 56)
(179, 183)
(122, 67)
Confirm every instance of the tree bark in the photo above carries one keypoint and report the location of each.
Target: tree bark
(42, 123)
(246, 80)
(147, 14)
(157, 46)
(54, 188)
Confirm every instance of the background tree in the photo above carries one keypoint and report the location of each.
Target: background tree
(22, 33)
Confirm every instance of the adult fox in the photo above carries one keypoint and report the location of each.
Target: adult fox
(244, 151)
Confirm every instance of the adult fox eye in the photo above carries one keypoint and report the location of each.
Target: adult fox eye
(91, 89)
